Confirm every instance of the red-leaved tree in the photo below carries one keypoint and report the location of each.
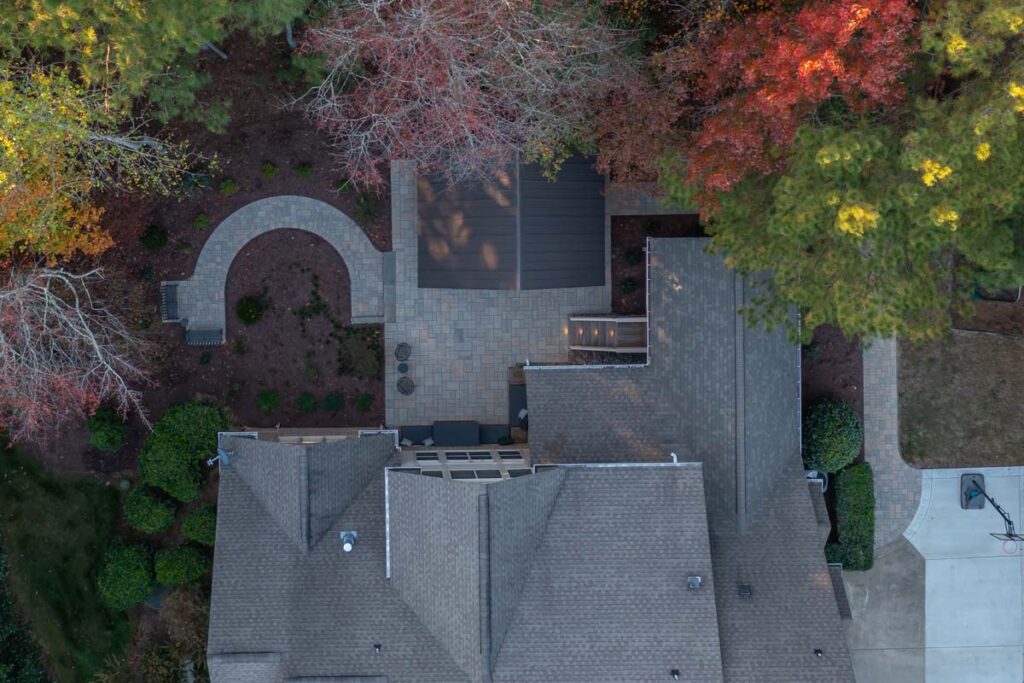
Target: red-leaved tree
(459, 87)
(62, 353)
(754, 81)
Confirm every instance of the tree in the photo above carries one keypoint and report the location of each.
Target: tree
(139, 48)
(884, 229)
(760, 77)
(459, 87)
(63, 351)
(59, 143)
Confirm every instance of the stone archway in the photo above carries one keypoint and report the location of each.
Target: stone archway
(198, 302)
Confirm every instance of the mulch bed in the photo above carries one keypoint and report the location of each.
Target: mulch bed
(832, 366)
(1002, 314)
(629, 237)
(278, 355)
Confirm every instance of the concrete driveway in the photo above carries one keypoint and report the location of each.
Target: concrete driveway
(946, 604)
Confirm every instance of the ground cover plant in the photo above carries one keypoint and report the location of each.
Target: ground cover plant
(20, 659)
(47, 522)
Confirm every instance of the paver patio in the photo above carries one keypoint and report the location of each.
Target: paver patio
(465, 340)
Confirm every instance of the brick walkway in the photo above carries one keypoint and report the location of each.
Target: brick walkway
(897, 485)
(465, 340)
(201, 297)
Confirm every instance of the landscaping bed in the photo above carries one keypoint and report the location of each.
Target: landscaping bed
(629, 265)
(832, 366)
(999, 312)
(959, 401)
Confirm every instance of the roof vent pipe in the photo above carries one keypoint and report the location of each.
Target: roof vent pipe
(675, 458)
(348, 540)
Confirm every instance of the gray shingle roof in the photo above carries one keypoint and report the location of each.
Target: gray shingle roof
(716, 391)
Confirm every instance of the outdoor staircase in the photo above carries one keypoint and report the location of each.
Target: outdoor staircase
(614, 334)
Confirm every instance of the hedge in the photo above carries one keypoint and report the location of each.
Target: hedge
(181, 441)
(832, 436)
(106, 429)
(126, 578)
(201, 525)
(175, 566)
(855, 519)
(147, 513)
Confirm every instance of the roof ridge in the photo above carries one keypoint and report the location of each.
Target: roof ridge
(496, 641)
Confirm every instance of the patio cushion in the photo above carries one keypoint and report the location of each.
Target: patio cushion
(456, 433)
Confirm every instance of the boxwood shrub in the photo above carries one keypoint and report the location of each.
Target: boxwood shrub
(855, 518)
(175, 566)
(832, 435)
(126, 578)
(181, 440)
(106, 429)
(201, 525)
(147, 513)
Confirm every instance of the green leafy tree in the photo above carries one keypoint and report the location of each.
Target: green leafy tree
(60, 142)
(884, 229)
(201, 525)
(126, 578)
(182, 439)
(175, 566)
(147, 513)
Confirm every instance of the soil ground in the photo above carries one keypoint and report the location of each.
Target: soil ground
(629, 267)
(1002, 315)
(832, 366)
(960, 401)
(259, 81)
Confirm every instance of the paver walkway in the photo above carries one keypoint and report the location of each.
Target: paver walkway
(897, 485)
(201, 297)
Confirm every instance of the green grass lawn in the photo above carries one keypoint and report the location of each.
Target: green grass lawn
(55, 530)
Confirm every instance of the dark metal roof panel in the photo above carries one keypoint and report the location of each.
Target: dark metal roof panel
(562, 226)
(467, 233)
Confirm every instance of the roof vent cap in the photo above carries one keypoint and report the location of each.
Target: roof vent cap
(818, 652)
(694, 582)
(674, 673)
(348, 540)
(746, 591)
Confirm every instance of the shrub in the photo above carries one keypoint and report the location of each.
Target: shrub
(633, 257)
(175, 566)
(366, 208)
(269, 401)
(228, 187)
(249, 309)
(147, 513)
(855, 519)
(154, 238)
(304, 169)
(832, 435)
(628, 285)
(333, 403)
(205, 357)
(106, 429)
(363, 402)
(201, 525)
(269, 170)
(306, 402)
(201, 221)
(183, 437)
(239, 348)
(126, 578)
